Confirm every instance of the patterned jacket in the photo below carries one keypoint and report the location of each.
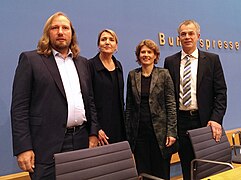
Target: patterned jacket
(162, 106)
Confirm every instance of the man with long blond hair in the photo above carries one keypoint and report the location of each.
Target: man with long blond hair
(52, 107)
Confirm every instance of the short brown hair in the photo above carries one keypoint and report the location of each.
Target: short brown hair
(150, 44)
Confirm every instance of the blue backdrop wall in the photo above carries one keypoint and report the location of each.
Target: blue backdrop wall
(133, 20)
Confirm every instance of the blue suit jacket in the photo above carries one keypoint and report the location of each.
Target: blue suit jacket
(39, 107)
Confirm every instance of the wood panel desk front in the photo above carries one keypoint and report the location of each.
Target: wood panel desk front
(232, 174)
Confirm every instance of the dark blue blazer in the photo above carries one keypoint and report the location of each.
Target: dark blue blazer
(39, 107)
(211, 86)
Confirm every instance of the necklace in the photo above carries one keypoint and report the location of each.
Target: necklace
(145, 74)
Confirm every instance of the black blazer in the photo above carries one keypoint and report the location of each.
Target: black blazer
(101, 89)
(211, 86)
(39, 107)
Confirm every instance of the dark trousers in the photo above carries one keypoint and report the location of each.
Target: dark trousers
(185, 152)
(148, 155)
(149, 160)
(72, 141)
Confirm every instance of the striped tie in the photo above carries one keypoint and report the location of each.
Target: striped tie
(186, 83)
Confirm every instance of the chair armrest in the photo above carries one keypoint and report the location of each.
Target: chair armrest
(148, 176)
(236, 157)
(207, 161)
(236, 148)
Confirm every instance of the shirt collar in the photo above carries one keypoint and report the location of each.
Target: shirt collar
(194, 54)
(56, 53)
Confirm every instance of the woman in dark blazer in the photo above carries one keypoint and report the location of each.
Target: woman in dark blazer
(108, 87)
(151, 121)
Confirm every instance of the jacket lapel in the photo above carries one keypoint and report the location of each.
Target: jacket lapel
(53, 69)
(201, 66)
(154, 78)
(176, 71)
(138, 80)
(78, 65)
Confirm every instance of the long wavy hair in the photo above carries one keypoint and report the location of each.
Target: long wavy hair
(44, 46)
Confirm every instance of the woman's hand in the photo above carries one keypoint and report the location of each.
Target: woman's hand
(170, 141)
(93, 141)
(103, 138)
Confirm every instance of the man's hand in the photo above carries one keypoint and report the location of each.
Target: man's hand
(26, 161)
(170, 141)
(93, 141)
(216, 129)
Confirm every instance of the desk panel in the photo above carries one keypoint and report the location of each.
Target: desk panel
(232, 174)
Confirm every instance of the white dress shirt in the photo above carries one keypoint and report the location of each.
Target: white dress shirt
(194, 66)
(71, 83)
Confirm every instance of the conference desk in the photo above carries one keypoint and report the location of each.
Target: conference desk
(232, 174)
